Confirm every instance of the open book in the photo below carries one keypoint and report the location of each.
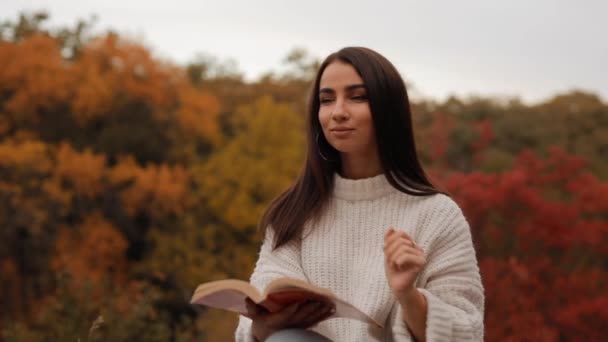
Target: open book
(230, 295)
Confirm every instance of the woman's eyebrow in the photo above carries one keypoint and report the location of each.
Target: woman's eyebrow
(347, 88)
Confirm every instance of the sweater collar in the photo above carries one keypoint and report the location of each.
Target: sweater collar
(361, 189)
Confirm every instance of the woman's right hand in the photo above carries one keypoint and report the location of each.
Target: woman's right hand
(296, 315)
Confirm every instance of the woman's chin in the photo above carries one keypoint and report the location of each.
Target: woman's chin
(341, 147)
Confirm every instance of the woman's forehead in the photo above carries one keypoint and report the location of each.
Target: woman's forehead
(339, 75)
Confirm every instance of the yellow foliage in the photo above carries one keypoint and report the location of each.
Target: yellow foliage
(240, 179)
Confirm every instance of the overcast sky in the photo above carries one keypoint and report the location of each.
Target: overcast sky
(532, 49)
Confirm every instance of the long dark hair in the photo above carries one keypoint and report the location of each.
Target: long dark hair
(391, 114)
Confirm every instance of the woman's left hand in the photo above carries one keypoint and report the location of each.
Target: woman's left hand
(403, 261)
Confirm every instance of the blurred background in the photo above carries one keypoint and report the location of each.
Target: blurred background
(141, 141)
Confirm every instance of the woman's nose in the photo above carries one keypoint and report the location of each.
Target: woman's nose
(339, 112)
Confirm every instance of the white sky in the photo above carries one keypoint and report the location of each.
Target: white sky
(532, 49)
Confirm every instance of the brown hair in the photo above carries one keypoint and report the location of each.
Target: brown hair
(390, 109)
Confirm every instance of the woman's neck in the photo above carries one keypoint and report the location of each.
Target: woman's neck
(360, 166)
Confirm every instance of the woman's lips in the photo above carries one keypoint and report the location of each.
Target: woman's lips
(341, 133)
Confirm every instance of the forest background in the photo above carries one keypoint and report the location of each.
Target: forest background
(127, 180)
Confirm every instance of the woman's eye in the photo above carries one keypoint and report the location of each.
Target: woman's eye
(359, 98)
(325, 100)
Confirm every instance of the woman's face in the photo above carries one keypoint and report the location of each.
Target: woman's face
(344, 111)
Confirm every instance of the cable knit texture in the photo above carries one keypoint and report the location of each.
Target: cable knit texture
(344, 252)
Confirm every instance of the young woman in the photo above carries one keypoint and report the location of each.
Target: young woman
(363, 220)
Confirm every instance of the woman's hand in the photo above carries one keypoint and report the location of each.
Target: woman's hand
(403, 261)
(297, 315)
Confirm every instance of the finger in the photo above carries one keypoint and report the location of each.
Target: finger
(279, 318)
(396, 244)
(331, 310)
(323, 314)
(406, 235)
(320, 313)
(405, 250)
(306, 310)
(409, 238)
(390, 232)
(396, 239)
(397, 235)
(331, 313)
(409, 260)
(253, 310)
(409, 249)
(290, 309)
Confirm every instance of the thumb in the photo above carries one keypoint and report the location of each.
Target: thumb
(289, 309)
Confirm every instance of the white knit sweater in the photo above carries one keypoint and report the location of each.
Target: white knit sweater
(344, 252)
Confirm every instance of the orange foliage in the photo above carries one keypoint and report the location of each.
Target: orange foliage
(110, 72)
(83, 170)
(25, 156)
(36, 72)
(198, 113)
(21, 166)
(157, 190)
(111, 68)
(91, 252)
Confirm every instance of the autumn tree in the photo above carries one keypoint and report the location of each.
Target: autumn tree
(126, 180)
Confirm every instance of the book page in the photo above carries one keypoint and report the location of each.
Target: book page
(230, 295)
(282, 284)
(227, 299)
(226, 294)
(347, 310)
(286, 291)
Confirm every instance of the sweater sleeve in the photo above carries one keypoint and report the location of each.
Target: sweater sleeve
(450, 281)
(282, 262)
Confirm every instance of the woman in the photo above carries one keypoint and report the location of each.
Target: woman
(363, 220)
